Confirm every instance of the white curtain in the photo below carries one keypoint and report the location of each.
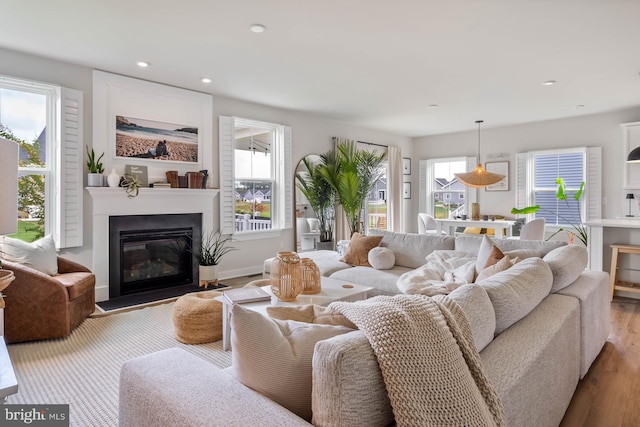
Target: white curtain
(394, 189)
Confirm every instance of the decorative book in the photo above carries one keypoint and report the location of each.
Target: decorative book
(244, 295)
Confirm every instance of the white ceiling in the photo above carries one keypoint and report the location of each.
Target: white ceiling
(375, 63)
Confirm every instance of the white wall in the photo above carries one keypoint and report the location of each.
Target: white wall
(601, 130)
(311, 135)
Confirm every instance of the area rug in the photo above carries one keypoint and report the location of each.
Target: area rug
(83, 369)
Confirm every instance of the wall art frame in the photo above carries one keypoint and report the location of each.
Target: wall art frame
(406, 166)
(501, 168)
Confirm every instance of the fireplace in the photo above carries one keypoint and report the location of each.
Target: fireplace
(148, 252)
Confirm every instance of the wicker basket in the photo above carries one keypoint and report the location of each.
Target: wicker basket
(310, 277)
(286, 276)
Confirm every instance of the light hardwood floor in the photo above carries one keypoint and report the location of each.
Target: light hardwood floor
(609, 395)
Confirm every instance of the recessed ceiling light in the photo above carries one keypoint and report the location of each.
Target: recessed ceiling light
(258, 28)
(549, 83)
(206, 80)
(578, 106)
(142, 64)
(432, 105)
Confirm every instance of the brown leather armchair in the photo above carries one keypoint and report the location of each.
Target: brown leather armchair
(39, 306)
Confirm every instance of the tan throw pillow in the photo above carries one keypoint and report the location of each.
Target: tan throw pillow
(494, 256)
(504, 264)
(274, 357)
(358, 249)
(39, 255)
(310, 313)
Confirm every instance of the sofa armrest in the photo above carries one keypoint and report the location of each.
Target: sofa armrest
(174, 387)
(68, 266)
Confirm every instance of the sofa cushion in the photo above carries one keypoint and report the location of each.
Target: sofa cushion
(411, 249)
(476, 304)
(384, 281)
(382, 258)
(471, 244)
(328, 262)
(358, 250)
(566, 262)
(39, 255)
(504, 264)
(518, 290)
(309, 313)
(274, 357)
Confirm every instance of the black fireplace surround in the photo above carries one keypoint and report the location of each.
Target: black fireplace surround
(147, 252)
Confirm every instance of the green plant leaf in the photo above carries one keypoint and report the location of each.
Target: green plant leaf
(579, 192)
(560, 192)
(525, 211)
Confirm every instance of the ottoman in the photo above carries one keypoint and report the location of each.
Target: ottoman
(197, 318)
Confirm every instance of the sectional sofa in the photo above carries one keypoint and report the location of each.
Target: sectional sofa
(538, 326)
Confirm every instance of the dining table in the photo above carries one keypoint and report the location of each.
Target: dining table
(502, 228)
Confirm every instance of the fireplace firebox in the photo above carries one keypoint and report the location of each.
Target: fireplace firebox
(148, 252)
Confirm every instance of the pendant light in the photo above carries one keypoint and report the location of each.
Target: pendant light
(479, 177)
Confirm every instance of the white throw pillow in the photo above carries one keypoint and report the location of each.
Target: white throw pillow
(274, 357)
(483, 253)
(381, 258)
(566, 263)
(39, 255)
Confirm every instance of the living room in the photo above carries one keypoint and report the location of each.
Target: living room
(579, 110)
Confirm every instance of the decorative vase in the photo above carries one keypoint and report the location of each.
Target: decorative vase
(310, 277)
(208, 276)
(113, 179)
(94, 180)
(475, 211)
(172, 178)
(286, 276)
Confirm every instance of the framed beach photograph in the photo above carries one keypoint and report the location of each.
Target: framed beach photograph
(406, 190)
(153, 140)
(406, 166)
(501, 168)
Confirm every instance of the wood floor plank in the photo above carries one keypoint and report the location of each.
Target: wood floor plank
(609, 395)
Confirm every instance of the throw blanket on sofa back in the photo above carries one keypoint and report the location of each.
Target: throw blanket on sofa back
(431, 368)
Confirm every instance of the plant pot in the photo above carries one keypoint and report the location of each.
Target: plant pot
(327, 246)
(208, 276)
(95, 180)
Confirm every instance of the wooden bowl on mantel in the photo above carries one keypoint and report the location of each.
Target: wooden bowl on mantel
(6, 277)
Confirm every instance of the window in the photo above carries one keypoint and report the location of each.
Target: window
(256, 196)
(46, 121)
(441, 194)
(375, 208)
(536, 184)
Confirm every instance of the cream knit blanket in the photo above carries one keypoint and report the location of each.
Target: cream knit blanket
(431, 368)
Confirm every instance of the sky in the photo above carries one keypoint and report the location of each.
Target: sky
(23, 113)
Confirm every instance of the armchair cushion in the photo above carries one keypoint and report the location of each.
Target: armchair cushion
(39, 255)
(76, 284)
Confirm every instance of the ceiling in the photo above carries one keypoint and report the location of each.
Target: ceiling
(380, 64)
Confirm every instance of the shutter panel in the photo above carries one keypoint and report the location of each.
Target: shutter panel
(423, 187)
(287, 178)
(227, 187)
(594, 183)
(69, 162)
(522, 197)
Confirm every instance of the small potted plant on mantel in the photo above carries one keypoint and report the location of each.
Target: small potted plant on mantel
(213, 246)
(95, 167)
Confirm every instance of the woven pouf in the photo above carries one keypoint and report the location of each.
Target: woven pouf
(197, 318)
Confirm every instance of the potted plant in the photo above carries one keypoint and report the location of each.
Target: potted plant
(208, 252)
(579, 229)
(320, 195)
(95, 167)
(352, 173)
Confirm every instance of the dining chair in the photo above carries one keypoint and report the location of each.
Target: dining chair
(533, 230)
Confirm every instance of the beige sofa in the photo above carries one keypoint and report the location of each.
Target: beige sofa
(535, 340)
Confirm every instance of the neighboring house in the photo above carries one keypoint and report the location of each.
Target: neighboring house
(457, 191)
(42, 139)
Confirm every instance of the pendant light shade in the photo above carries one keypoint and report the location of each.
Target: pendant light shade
(479, 177)
(634, 156)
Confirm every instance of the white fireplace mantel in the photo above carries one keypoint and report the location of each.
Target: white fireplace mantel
(106, 202)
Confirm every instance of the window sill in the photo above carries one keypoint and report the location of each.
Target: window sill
(257, 235)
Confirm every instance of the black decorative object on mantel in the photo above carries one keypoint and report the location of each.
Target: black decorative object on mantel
(205, 172)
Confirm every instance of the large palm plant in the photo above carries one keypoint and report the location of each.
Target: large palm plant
(319, 193)
(352, 173)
